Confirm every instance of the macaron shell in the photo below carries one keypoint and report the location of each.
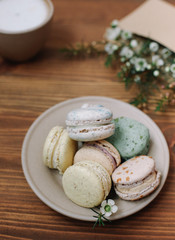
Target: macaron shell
(91, 133)
(131, 138)
(64, 152)
(88, 153)
(133, 170)
(113, 151)
(101, 173)
(89, 115)
(87, 184)
(142, 193)
(49, 145)
(99, 151)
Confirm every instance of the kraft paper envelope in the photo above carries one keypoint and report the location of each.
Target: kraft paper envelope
(154, 19)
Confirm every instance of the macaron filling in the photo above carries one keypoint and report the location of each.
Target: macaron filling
(138, 186)
(141, 189)
(91, 133)
(88, 122)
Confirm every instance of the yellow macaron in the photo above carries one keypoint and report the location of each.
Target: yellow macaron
(59, 149)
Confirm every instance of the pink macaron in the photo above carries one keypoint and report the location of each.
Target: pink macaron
(100, 151)
(136, 178)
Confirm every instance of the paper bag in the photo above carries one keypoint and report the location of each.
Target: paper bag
(154, 19)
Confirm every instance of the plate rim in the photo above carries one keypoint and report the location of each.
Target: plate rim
(40, 194)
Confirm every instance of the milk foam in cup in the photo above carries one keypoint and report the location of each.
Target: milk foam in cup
(22, 15)
(24, 27)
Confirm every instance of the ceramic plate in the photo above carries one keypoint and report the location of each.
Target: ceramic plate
(47, 183)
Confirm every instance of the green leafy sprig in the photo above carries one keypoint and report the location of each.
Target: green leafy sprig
(100, 218)
(84, 49)
(141, 62)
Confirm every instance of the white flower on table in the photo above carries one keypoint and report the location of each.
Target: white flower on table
(154, 47)
(172, 68)
(149, 66)
(140, 64)
(156, 73)
(157, 60)
(110, 48)
(167, 69)
(133, 43)
(137, 79)
(126, 52)
(126, 35)
(108, 207)
(112, 33)
(165, 52)
(114, 23)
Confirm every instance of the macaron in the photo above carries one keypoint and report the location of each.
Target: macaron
(90, 123)
(100, 151)
(59, 149)
(131, 138)
(136, 178)
(86, 183)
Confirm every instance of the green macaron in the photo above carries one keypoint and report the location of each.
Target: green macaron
(131, 138)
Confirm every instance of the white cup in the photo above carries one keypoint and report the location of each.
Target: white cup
(24, 27)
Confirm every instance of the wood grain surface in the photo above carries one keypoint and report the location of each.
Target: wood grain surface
(28, 89)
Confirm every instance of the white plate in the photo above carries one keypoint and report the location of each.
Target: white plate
(47, 183)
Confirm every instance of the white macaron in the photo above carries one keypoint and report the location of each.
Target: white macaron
(90, 123)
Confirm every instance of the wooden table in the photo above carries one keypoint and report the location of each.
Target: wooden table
(28, 89)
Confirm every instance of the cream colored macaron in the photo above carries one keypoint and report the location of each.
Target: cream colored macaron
(136, 178)
(59, 149)
(100, 151)
(86, 183)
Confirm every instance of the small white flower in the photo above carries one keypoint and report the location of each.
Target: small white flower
(110, 48)
(112, 33)
(155, 58)
(154, 47)
(166, 53)
(133, 43)
(128, 64)
(149, 66)
(114, 23)
(126, 35)
(132, 60)
(126, 52)
(122, 59)
(137, 79)
(172, 68)
(167, 69)
(156, 73)
(159, 62)
(108, 207)
(140, 64)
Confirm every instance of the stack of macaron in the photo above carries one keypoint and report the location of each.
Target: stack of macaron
(88, 171)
